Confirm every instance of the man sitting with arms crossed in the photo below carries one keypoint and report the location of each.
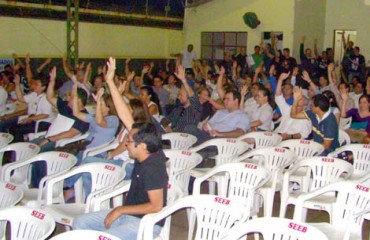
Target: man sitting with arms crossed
(324, 124)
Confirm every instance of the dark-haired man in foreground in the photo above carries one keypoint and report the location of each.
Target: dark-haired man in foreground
(324, 123)
(148, 190)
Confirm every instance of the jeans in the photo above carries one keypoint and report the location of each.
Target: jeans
(125, 227)
(39, 168)
(6, 124)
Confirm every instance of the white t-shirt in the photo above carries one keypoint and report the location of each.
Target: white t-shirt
(290, 125)
(225, 121)
(38, 104)
(188, 58)
(263, 113)
(3, 98)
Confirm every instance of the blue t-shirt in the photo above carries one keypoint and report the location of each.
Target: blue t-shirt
(326, 129)
(99, 135)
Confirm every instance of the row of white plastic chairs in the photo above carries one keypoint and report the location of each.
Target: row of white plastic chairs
(233, 141)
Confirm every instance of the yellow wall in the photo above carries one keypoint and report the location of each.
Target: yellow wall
(46, 38)
(227, 15)
(309, 23)
(349, 15)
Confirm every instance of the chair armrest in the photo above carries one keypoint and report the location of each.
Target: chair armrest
(101, 148)
(95, 199)
(333, 187)
(66, 141)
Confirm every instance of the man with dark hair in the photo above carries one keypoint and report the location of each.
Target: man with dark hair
(324, 124)
(230, 122)
(358, 65)
(43, 109)
(148, 189)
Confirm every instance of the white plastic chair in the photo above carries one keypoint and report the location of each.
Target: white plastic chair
(276, 160)
(99, 202)
(239, 181)
(343, 138)
(361, 158)
(36, 133)
(273, 228)
(345, 123)
(5, 139)
(23, 150)
(346, 219)
(322, 171)
(178, 140)
(28, 223)
(215, 215)
(84, 234)
(103, 177)
(56, 162)
(262, 139)
(303, 149)
(180, 163)
(227, 150)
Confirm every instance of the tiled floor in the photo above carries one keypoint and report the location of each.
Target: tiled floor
(179, 226)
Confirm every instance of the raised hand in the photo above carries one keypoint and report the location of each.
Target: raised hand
(111, 64)
(303, 38)
(53, 74)
(122, 87)
(222, 70)
(180, 73)
(97, 97)
(344, 94)
(131, 76)
(28, 58)
(244, 90)
(17, 79)
(128, 60)
(284, 76)
(145, 69)
(306, 76)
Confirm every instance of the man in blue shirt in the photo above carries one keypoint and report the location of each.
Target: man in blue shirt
(324, 123)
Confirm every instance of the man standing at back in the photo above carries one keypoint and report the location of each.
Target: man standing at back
(148, 190)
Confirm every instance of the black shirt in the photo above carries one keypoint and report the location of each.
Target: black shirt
(148, 175)
(66, 111)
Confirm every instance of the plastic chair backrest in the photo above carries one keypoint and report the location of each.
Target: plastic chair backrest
(243, 180)
(180, 163)
(182, 141)
(303, 148)
(263, 139)
(23, 150)
(103, 174)
(345, 123)
(273, 228)
(55, 162)
(361, 157)
(84, 234)
(325, 170)
(10, 194)
(5, 139)
(215, 215)
(272, 158)
(352, 198)
(227, 148)
(28, 223)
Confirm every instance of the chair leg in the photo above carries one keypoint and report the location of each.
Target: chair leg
(283, 208)
(268, 203)
(212, 187)
(192, 219)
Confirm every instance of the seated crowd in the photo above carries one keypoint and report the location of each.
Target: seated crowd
(208, 99)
